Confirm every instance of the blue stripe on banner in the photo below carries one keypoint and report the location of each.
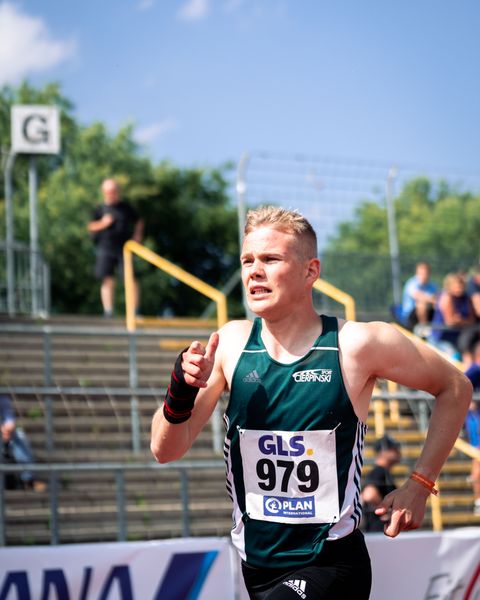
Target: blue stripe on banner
(202, 575)
(185, 575)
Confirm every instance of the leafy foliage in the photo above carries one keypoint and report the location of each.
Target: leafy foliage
(435, 222)
(188, 216)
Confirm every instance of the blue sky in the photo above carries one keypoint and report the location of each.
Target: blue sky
(205, 80)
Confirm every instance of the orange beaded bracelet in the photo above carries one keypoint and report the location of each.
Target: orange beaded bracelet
(428, 483)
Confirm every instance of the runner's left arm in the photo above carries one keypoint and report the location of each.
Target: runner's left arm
(392, 356)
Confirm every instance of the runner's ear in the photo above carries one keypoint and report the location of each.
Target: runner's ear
(313, 269)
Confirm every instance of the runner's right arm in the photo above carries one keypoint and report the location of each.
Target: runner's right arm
(202, 370)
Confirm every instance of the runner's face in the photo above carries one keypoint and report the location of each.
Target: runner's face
(275, 277)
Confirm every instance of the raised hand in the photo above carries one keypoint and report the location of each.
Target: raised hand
(198, 361)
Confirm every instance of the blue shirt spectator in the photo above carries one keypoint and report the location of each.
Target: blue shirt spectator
(419, 296)
(472, 426)
(7, 414)
(473, 373)
(473, 290)
(15, 445)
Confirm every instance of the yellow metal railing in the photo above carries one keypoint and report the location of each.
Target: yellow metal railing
(472, 452)
(131, 247)
(466, 448)
(338, 295)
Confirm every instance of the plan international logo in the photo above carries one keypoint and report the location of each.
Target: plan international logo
(280, 506)
(320, 375)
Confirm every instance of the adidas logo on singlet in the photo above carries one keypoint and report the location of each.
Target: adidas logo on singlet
(297, 585)
(252, 377)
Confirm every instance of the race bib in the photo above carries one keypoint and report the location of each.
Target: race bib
(290, 476)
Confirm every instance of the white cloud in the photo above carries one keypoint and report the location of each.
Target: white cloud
(149, 133)
(194, 10)
(145, 4)
(26, 45)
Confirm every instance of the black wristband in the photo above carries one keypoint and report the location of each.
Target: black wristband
(180, 396)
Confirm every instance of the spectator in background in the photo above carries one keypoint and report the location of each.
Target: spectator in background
(473, 290)
(472, 425)
(419, 297)
(16, 447)
(379, 482)
(454, 313)
(473, 371)
(112, 224)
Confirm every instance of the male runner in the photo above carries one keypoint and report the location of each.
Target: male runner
(300, 386)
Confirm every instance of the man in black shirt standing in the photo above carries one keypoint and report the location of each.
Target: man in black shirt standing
(112, 224)
(379, 482)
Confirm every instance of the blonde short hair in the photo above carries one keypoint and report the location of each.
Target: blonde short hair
(452, 278)
(288, 221)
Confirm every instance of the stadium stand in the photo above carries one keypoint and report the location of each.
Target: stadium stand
(89, 390)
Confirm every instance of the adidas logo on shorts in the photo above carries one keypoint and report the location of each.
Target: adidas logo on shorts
(297, 585)
(252, 377)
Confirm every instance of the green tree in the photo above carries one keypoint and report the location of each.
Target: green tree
(188, 215)
(435, 222)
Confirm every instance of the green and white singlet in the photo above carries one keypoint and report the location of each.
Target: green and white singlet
(293, 452)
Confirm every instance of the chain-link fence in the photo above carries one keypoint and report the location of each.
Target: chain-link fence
(328, 191)
(24, 282)
(368, 278)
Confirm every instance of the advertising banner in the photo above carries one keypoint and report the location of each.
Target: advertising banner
(426, 565)
(414, 566)
(197, 569)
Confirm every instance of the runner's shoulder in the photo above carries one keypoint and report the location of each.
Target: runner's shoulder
(235, 332)
(356, 337)
(233, 338)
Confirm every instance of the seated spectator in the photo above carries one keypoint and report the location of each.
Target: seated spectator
(467, 342)
(419, 296)
(473, 290)
(473, 371)
(453, 314)
(379, 482)
(16, 447)
(472, 426)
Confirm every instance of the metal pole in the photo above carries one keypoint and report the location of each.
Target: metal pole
(185, 503)
(9, 234)
(392, 237)
(54, 508)
(32, 186)
(120, 497)
(46, 290)
(133, 379)
(241, 188)
(47, 377)
(423, 415)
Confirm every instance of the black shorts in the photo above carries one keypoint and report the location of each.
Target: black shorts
(108, 263)
(341, 572)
